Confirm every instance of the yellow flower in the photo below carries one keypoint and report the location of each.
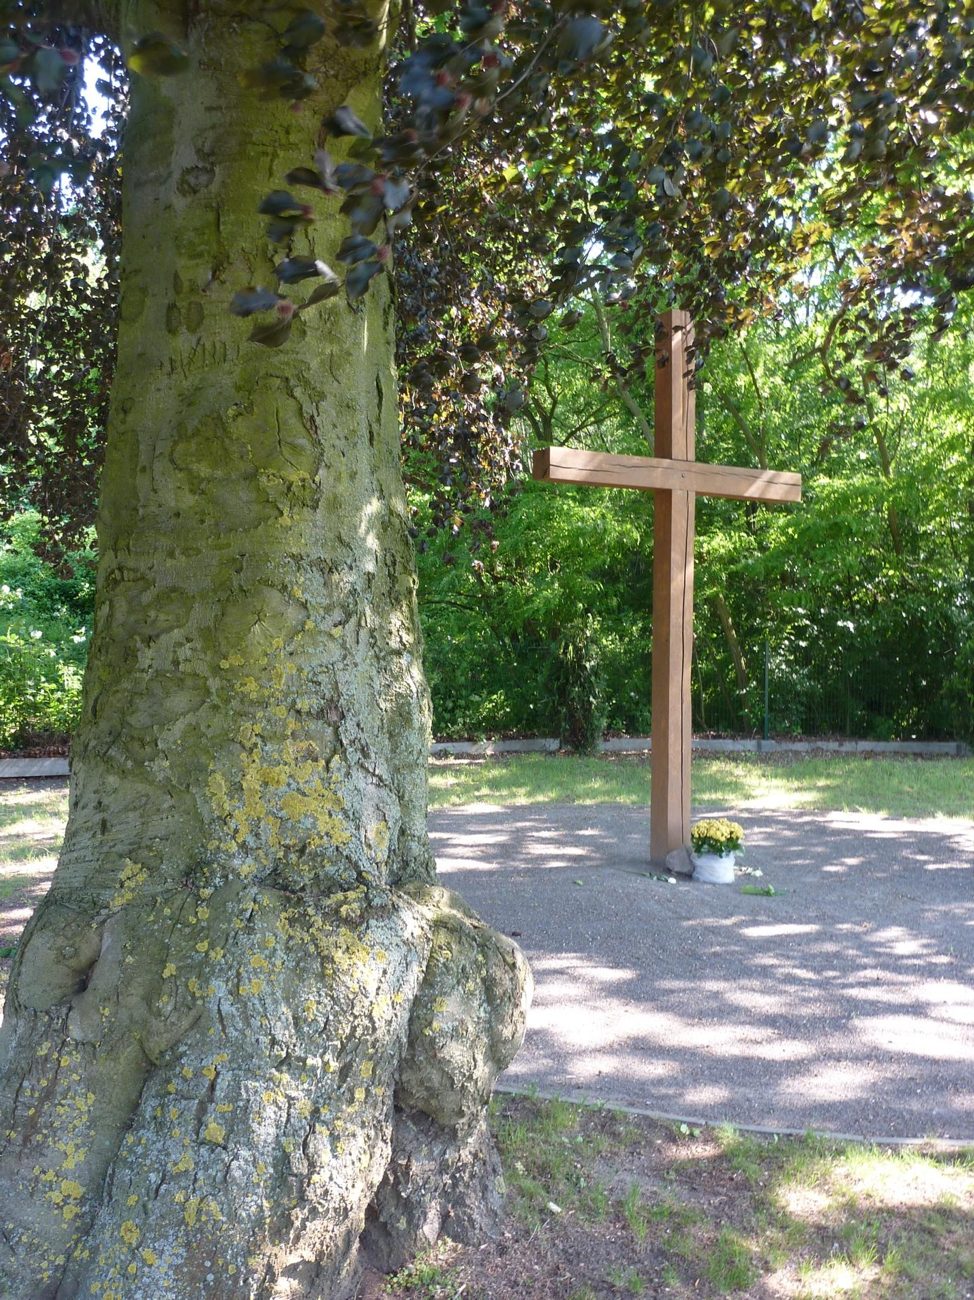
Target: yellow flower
(717, 835)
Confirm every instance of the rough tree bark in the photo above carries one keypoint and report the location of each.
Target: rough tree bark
(248, 1041)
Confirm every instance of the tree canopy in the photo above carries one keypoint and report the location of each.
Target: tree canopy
(695, 154)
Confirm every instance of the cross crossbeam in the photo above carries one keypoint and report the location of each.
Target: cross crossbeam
(676, 479)
(653, 474)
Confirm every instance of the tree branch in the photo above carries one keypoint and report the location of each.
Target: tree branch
(756, 447)
(628, 400)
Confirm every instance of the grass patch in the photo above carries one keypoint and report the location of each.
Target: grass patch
(897, 787)
(31, 827)
(710, 1214)
(424, 1279)
(31, 830)
(731, 1263)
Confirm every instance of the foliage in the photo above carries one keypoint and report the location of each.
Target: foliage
(717, 835)
(494, 614)
(538, 154)
(547, 179)
(862, 593)
(581, 687)
(60, 207)
(45, 622)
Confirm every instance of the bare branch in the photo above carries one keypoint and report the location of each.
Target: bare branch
(628, 400)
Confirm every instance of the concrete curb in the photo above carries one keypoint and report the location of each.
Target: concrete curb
(643, 745)
(766, 1130)
(20, 769)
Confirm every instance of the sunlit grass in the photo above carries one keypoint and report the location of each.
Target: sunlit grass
(903, 787)
(31, 831)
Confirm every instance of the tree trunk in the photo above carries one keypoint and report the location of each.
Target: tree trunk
(733, 644)
(886, 465)
(248, 1042)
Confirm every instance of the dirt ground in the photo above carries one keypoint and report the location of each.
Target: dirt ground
(605, 1205)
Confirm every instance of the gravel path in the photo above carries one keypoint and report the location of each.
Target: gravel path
(845, 1003)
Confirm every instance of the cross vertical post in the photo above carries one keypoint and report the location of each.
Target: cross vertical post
(673, 529)
(675, 480)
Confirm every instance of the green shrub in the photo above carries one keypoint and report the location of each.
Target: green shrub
(45, 621)
(580, 684)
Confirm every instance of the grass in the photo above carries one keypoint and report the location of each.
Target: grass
(897, 787)
(710, 1213)
(422, 1279)
(31, 829)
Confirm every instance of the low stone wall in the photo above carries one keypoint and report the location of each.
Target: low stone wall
(643, 745)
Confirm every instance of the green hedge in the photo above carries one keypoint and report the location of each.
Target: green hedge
(45, 622)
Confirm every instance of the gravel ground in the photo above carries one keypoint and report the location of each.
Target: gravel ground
(844, 1003)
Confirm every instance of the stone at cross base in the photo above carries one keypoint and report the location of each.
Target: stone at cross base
(675, 478)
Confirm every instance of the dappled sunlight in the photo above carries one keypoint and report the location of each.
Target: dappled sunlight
(804, 1201)
(844, 1002)
(26, 871)
(823, 1082)
(776, 931)
(31, 830)
(836, 1278)
(930, 1039)
(911, 1182)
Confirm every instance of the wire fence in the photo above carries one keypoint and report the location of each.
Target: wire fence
(817, 687)
(798, 690)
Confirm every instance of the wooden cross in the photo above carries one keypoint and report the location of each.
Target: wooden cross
(676, 479)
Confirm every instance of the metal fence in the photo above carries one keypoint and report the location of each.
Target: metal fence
(815, 691)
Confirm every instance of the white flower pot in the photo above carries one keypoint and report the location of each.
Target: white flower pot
(714, 868)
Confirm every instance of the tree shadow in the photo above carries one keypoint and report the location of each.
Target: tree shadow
(844, 1003)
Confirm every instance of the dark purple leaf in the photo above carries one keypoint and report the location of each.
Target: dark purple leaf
(252, 299)
(351, 176)
(279, 203)
(304, 30)
(321, 293)
(364, 212)
(356, 248)
(360, 277)
(293, 269)
(345, 122)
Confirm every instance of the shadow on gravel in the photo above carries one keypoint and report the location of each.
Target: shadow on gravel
(844, 1003)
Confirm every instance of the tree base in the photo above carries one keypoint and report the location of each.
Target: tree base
(318, 1107)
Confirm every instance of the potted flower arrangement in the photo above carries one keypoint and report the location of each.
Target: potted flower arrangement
(715, 842)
